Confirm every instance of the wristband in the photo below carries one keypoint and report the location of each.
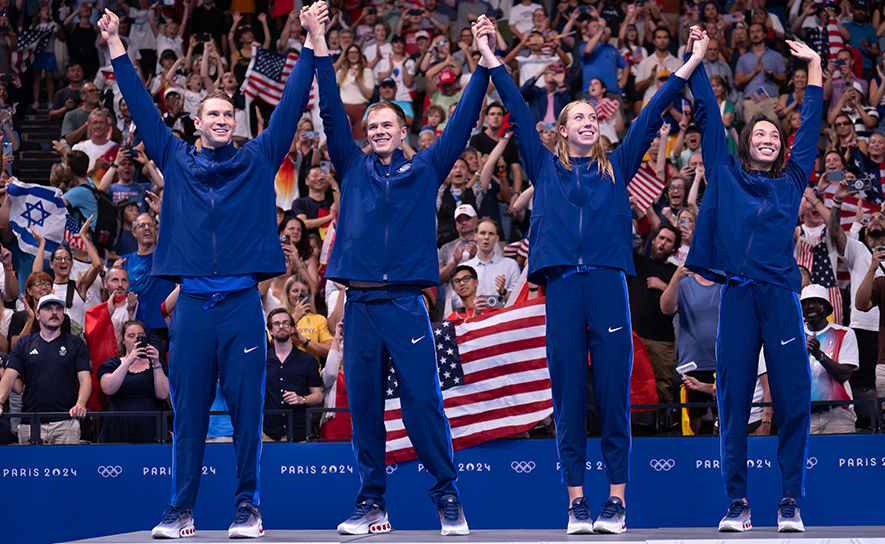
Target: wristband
(768, 421)
(837, 204)
(305, 343)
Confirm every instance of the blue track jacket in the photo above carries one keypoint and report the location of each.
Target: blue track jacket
(579, 217)
(386, 229)
(747, 220)
(219, 210)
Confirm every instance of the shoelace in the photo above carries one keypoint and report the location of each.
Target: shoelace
(788, 509)
(362, 510)
(173, 514)
(610, 509)
(243, 513)
(736, 509)
(450, 510)
(580, 510)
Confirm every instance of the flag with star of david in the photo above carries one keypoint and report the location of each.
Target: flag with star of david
(493, 375)
(38, 206)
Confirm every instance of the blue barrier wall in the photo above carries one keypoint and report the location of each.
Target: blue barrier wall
(70, 492)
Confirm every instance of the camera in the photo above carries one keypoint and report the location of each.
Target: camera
(7, 78)
(311, 134)
(494, 301)
(860, 184)
(557, 67)
(550, 125)
(415, 12)
(45, 146)
(284, 238)
(304, 298)
(326, 166)
(373, 11)
(141, 342)
(202, 38)
(133, 154)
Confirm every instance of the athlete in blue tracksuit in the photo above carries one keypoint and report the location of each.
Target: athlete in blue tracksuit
(744, 240)
(217, 238)
(385, 251)
(581, 249)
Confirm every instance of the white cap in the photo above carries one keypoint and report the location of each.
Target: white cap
(465, 209)
(51, 297)
(817, 291)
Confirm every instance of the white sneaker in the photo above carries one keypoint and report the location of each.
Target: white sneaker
(579, 520)
(366, 519)
(177, 523)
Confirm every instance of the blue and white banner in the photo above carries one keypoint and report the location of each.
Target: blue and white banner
(38, 206)
(90, 491)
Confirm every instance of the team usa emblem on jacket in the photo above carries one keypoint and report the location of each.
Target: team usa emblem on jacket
(404, 168)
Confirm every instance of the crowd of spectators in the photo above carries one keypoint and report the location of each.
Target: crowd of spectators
(420, 54)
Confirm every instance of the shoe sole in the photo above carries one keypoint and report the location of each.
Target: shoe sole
(608, 530)
(582, 530)
(237, 533)
(187, 532)
(791, 529)
(735, 529)
(455, 532)
(375, 529)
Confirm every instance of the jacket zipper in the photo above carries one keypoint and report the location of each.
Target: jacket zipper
(753, 235)
(212, 215)
(580, 219)
(386, 216)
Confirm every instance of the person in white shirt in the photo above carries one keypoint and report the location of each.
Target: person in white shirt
(497, 275)
(521, 18)
(857, 254)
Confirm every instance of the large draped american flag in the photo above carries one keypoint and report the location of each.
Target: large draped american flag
(493, 375)
(267, 75)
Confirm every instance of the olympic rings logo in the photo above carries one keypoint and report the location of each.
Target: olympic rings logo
(810, 462)
(523, 467)
(391, 468)
(662, 464)
(110, 472)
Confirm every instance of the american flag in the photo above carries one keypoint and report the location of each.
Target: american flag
(606, 108)
(71, 235)
(29, 43)
(493, 374)
(758, 95)
(646, 187)
(835, 38)
(267, 75)
(814, 255)
(517, 249)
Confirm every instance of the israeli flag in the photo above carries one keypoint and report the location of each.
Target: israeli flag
(38, 206)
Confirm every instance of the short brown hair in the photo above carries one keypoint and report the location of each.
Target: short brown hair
(218, 95)
(398, 111)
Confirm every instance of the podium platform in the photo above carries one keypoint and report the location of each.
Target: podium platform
(693, 535)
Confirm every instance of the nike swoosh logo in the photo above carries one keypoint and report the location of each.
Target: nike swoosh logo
(788, 341)
(250, 349)
(416, 340)
(614, 330)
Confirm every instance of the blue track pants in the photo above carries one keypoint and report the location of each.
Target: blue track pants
(751, 315)
(380, 325)
(594, 299)
(210, 340)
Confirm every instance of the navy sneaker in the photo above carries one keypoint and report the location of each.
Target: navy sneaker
(579, 520)
(451, 516)
(737, 518)
(788, 518)
(366, 519)
(177, 523)
(613, 518)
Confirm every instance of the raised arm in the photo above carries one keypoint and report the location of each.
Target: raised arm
(453, 140)
(343, 151)
(488, 169)
(87, 279)
(628, 155)
(531, 149)
(708, 118)
(804, 149)
(157, 137)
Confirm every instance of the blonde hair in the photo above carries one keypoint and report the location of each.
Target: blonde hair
(60, 176)
(285, 303)
(597, 152)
